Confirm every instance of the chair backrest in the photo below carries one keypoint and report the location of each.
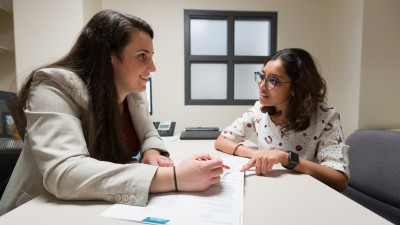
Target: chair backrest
(374, 164)
(10, 139)
(375, 172)
(8, 159)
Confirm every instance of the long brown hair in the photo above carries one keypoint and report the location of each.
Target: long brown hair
(308, 86)
(108, 32)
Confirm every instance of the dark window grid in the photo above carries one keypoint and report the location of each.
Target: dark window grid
(229, 59)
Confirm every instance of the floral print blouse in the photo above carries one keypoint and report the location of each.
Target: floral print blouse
(321, 142)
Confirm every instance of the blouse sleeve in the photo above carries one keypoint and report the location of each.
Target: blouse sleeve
(332, 150)
(242, 128)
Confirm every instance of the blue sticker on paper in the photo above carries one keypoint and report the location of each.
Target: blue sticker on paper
(155, 220)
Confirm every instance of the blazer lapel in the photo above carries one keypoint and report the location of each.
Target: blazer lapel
(138, 112)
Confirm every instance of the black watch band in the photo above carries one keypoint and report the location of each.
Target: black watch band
(293, 160)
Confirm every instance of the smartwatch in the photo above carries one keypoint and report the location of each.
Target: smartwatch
(293, 160)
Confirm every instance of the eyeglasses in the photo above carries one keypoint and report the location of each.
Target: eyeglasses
(270, 82)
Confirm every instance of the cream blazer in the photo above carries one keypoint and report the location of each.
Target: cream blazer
(55, 157)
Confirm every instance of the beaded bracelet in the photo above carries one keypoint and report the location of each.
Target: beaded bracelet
(236, 148)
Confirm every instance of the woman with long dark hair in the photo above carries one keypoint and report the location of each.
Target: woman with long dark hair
(86, 118)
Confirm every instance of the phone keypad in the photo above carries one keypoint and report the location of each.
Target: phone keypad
(164, 133)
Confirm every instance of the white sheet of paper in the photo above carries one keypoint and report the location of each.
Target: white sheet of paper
(221, 204)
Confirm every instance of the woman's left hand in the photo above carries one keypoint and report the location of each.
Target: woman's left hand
(264, 160)
(153, 157)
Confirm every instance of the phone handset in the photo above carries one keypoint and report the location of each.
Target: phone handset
(164, 125)
(165, 128)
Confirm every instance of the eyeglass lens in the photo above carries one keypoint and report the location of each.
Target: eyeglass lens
(270, 83)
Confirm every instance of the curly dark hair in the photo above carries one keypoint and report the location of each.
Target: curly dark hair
(107, 33)
(308, 86)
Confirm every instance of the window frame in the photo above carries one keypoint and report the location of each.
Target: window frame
(230, 59)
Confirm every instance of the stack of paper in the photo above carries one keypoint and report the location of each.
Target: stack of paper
(221, 204)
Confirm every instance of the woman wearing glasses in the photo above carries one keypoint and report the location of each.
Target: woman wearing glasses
(293, 124)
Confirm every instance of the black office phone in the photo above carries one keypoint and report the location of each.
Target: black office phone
(165, 128)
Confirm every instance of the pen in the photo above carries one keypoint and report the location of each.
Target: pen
(223, 166)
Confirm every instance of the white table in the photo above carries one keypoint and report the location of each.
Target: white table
(282, 197)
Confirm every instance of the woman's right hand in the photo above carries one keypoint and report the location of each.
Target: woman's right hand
(198, 172)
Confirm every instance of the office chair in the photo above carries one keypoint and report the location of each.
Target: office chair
(374, 172)
(10, 139)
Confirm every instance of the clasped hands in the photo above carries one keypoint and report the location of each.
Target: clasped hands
(153, 157)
